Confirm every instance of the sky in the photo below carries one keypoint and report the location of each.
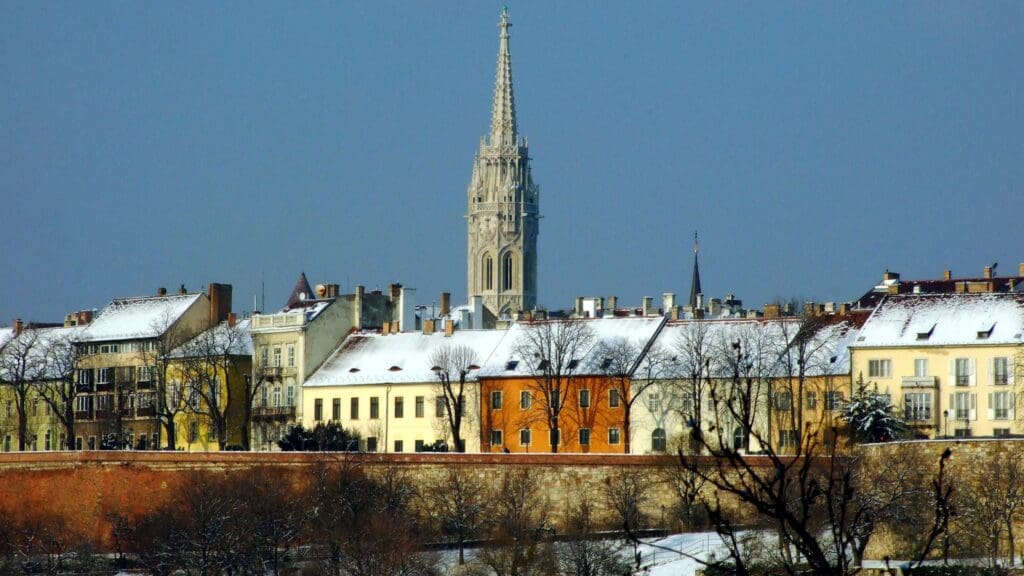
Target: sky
(812, 145)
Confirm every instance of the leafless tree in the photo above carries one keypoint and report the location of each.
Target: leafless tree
(22, 367)
(168, 400)
(585, 553)
(458, 505)
(60, 388)
(989, 508)
(694, 352)
(452, 364)
(553, 352)
(745, 358)
(520, 537)
(631, 368)
(212, 367)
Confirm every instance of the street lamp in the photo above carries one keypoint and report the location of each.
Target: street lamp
(945, 419)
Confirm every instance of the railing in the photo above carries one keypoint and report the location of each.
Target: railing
(278, 320)
(919, 381)
(274, 412)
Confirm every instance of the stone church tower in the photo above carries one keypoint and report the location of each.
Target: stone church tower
(503, 206)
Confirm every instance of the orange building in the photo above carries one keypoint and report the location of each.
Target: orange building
(541, 374)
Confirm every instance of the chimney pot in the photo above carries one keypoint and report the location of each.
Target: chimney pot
(161, 291)
(449, 326)
(232, 319)
(947, 274)
(987, 272)
(182, 290)
(446, 303)
(18, 326)
(428, 326)
(1020, 269)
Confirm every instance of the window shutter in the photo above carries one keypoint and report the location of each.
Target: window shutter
(1009, 370)
(972, 414)
(992, 371)
(972, 366)
(991, 406)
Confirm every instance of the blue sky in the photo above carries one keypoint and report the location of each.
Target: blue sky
(813, 145)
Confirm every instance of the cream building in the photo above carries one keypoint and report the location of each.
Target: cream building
(951, 361)
(503, 206)
(385, 388)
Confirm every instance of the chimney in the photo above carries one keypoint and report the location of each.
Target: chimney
(668, 300)
(394, 291)
(700, 300)
(1020, 269)
(613, 301)
(771, 311)
(810, 309)
(527, 315)
(385, 328)
(449, 326)
(844, 309)
(182, 290)
(947, 274)
(578, 307)
(648, 305)
(428, 326)
(220, 302)
(161, 291)
(889, 276)
(987, 272)
(232, 320)
(894, 289)
(18, 326)
(446, 303)
(331, 291)
(477, 302)
(407, 307)
(1011, 284)
(360, 290)
(674, 314)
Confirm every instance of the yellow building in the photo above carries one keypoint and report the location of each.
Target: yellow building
(951, 361)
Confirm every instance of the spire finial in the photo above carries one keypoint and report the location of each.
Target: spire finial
(503, 115)
(696, 242)
(695, 288)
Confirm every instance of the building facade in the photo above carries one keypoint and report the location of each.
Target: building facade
(503, 206)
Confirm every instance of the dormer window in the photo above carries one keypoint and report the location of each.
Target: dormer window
(573, 364)
(353, 370)
(927, 334)
(606, 363)
(985, 333)
(395, 369)
(543, 365)
(511, 364)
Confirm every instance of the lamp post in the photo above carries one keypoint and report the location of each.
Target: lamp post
(945, 419)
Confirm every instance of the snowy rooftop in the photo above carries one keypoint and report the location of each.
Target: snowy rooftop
(506, 362)
(6, 333)
(827, 352)
(374, 358)
(236, 341)
(144, 317)
(42, 341)
(945, 320)
(763, 341)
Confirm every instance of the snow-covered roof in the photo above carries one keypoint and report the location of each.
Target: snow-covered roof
(235, 341)
(6, 333)
(505, 362)
(374, 358)
(945, 320)
(762, 340)
(43, 339)
(827, 352)
(132, 318)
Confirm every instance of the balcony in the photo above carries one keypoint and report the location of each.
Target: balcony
(272, 373)
(919, 382)
(282, 413)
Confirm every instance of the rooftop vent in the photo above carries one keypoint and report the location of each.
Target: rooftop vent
(395, 369)
(353, 370)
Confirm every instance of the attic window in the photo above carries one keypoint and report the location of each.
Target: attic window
(606, 363)
(395, 369)
(511, 364)
(984, 334)
(353, 370)
(832, 360)
(573, 364)
(926, 335)
(543, 365)
(860, 338)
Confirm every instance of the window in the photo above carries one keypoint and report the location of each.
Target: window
(291, 356)
(277, 396)
(921, 367)
(418, 446)
(336, 409)
(997, 432)
(584, 436)
(105, 376)
(91, 444)
(193, 432)
(496, 400)
(613, 435)
(142, 441)
(371, 443)
(879, 368)
(658, 441)
(277, 356)
(291, 395)
(811, 400)
(962, 371)
(555, 437)
(784, 400)
(506, 276)
(399, 446)
(788, 438)
(46, 441)
(613, 398)
(83, 404)
(496, 439)
(964, 405)
(439, 407)
(917, 406)
(78, 442)
(556, 399)
(263, 356)
(524, 437)
(488, 273)
(144, 373)
(374, 408)
(103, 402)
(962, 433)
(833, 400)
(419, 406)
(35, 406)
(525, 401)
(7, 443)
(1000, 405)
(1000, 371)
(399, 407)
(354, 408)
(584, 398)
(654, 402)
(318, 409)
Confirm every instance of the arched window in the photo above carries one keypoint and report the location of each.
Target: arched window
(488, 272)
(506, 280)
(658, 443)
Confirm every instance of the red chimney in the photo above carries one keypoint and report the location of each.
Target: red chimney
(220, 302)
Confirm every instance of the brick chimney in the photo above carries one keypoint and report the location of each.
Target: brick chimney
(668, 300)
(844, 309)
(331, 291)
(1020, 269)
(232, 320)
(887, 276)
(446, 303)
(947, 274)
(220, 302)
(648, 305)
(428, 326)
(161, 291)
(182, 290)
(987, 272)
(18, 326)
(771, 311)
(449, 326)
(385, 328)
(613, 302)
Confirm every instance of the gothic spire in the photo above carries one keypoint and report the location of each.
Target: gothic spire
(503, 115)
(695, 282)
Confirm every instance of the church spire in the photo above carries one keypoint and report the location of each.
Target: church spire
(503, 115)
(695, 282)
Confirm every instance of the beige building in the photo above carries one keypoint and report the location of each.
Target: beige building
(291, 344)
(385, 387)
(951, 361)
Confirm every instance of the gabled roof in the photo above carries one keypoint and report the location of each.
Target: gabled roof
(506, 363)
(133, 318)
(945, 320)
(241, 345)
(999, 284)
(374, 358)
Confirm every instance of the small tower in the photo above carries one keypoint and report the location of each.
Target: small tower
(503, 205)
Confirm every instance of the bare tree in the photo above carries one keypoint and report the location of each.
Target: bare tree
(520, 537)
(553, 352)
(989, 508)
(168, 399)
(585, 553)
(452, 364)
(457, 504)
(694, 352)
(60, 387)
(631, 369)
(213, 373)
(22, 366)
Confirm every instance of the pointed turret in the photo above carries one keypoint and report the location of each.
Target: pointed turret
(300, 293)
(503, 115)
(695, 281)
